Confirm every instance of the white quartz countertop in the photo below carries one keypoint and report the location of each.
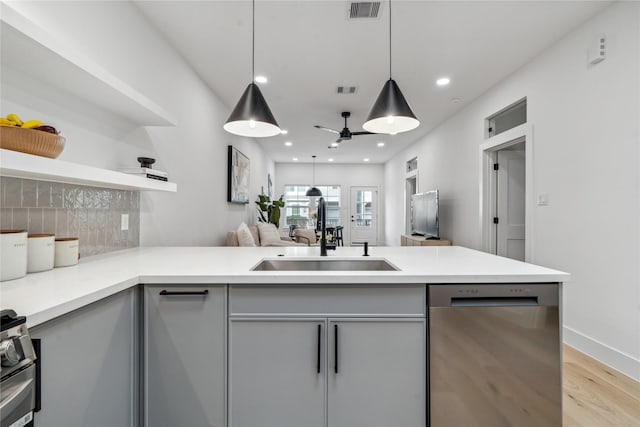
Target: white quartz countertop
(44, 296)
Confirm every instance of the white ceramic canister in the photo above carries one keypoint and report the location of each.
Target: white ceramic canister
(13, 254)
(67, 251)
(40, 250)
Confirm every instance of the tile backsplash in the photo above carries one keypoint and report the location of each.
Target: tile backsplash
(68, 210)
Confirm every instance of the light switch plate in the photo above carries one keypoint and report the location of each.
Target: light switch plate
(124, 222)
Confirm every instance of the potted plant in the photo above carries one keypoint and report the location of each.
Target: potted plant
(269, 210)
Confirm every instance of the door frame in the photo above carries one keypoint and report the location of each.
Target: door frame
(488, 180)
(407, 199)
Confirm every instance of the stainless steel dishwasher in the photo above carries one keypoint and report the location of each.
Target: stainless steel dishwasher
(494, 355)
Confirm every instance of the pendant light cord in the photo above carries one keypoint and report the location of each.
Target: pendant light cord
(314, 171)
(389, 39)
(253, 40)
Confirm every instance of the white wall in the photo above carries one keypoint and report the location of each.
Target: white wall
(194, 153)
(585, 156)
(344, 175)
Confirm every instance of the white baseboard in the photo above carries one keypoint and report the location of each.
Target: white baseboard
(617, 360)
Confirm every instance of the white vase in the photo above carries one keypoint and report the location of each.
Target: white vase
(13, 254)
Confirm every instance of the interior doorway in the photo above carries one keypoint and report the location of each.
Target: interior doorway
(364, 216)
(510, 201)
(506, 194)
(410, 188)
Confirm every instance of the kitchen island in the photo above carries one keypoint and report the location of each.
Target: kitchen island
(199, 338)
(44, 296)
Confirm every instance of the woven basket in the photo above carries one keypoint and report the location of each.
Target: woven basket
(31, 141)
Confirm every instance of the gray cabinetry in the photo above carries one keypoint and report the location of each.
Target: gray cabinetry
(282, 356)
(381, 375)
(89, 365)
(276, 375)
(184, 347)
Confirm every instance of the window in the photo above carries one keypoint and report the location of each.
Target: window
(298, 208)
(508, 118)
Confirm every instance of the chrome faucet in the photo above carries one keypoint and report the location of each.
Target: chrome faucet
(322, 217)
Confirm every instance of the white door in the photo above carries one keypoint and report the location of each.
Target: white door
(377, 373)
(510, 203)
(364, 215)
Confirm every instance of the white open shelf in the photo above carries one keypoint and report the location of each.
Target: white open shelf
(20, 165)
(37, 63)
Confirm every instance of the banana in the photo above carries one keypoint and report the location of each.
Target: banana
(15, 119)
(31, 124)
(6, 122)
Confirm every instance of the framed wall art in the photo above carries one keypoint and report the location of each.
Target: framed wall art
(238, 176)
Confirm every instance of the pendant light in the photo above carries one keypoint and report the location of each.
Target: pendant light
(391, 113)
(314, 191)
(252, 116)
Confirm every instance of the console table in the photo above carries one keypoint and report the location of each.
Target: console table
(409, 240)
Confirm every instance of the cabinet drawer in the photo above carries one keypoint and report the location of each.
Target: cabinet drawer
(344, 300)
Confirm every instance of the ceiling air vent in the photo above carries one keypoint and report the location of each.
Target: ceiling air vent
(364, 9)
(346, 90)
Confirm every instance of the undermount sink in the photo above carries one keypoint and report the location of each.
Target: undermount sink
(324, 265)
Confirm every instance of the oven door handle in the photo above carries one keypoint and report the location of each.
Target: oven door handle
(9, 404)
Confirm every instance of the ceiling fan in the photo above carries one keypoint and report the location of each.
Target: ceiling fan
(345, 133)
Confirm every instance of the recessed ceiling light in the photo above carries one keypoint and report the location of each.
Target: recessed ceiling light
(380, 144)
(288, 143)
(455, 100)
(330, 160)
(284, 132)
(366, 159)
(295, 159)
(261, 79)
(443, 81)
(334, 144)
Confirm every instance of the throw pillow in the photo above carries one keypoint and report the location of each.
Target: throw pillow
(268, 234)
(244, 236)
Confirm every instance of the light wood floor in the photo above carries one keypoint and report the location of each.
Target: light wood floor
(596, 395)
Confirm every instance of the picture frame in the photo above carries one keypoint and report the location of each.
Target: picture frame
(269, 186)
(238, 174)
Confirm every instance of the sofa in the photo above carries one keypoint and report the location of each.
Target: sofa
(261, 234)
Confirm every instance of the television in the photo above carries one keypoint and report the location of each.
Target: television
(424, 215)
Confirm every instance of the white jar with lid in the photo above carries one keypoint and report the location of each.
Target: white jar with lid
(13, 258)
(40, 250)
(67, 251)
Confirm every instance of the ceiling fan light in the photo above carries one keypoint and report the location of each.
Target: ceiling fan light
(252, 116)
(391, 113)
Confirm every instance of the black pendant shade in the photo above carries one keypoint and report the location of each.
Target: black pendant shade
(314, 192)
(391, 113)
(252, 116)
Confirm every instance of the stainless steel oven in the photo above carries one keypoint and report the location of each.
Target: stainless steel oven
(18, 372)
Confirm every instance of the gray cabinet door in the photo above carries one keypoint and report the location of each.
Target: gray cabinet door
(273, 373)
(89, 365)
(381, 378)
(185, 357)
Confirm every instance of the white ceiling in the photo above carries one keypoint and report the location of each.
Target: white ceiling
(308, 48)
